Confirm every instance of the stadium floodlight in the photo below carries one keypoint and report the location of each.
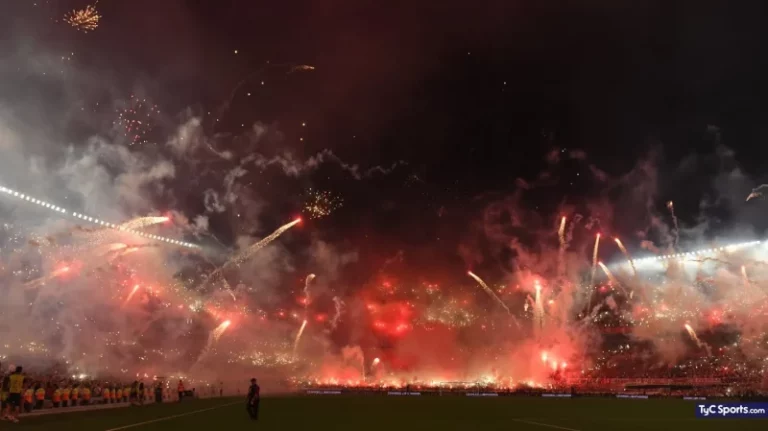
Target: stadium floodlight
(94, 220)
(684, 255)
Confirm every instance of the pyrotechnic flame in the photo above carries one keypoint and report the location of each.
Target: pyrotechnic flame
(375, 362)
(84, 20)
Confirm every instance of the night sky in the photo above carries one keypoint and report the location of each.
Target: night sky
(455, 103)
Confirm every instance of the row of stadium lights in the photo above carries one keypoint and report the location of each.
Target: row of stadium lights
(727, 248)
(61, 210)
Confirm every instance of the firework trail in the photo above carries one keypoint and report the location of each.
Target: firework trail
(301, 67)
(128, 250)
(744, 276)
(569, 235)
(42, 280)
(116, 246)
(298, 337)
(354, 355)
(693, 335)
(130, 295)
(561, 231)
(142, 222)
(84, 20)
(561, 250)
(119, 250)
(626, 254)
(676, 231)
(250, 251)
(339, 306)
(264, 242)
(757, 192)
(538, 310)
(608, 273)
(610, 276)
(219, 331)
(594, 260)
(489, 291)
(307, 282)
(213, 337)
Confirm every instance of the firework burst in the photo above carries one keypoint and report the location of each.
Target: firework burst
(136, 121)
(85, 20)
(321, 203)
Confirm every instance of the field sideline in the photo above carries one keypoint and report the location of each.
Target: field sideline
(360, 413)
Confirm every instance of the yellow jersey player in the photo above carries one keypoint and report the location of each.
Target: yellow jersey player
(15, 388)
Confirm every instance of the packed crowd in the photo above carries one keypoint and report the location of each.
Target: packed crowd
(593, 389)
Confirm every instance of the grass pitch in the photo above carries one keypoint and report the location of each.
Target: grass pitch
(369, 412)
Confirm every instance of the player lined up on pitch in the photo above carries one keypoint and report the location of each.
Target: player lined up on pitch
(22, 393)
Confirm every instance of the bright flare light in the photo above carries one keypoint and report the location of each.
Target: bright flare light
(133, 292)
(219, 331)
(94, 220)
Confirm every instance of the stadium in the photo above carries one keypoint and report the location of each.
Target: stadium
(338, 215)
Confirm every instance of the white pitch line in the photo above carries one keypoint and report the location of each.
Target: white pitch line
(172, 417)
(545, 425)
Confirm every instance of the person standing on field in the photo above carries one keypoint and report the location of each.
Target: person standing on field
(180, 389)
(254, 396)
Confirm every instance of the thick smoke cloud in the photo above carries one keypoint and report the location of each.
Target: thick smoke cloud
(109, 302)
